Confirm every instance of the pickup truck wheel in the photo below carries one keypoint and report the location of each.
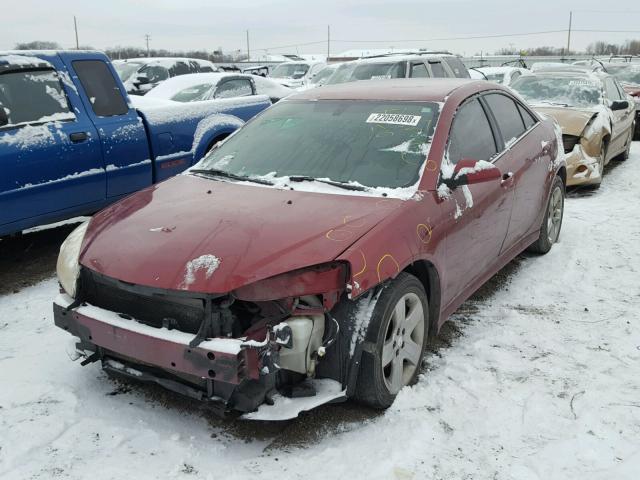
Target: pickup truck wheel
(397, 331)
(552, 221)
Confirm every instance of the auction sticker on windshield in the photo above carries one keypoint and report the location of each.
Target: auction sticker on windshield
(394, 119)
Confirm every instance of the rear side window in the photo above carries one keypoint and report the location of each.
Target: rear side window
(33, 96)
(507, 115)
(101, 88)
(206, 68)
(437, 70)
(155, 73)
(179, 68)
(239, 87)
(419, 70)
(529, 120)
(471, 135)
(458, 68)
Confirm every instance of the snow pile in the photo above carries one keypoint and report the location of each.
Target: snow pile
(362, 316)
(208, 263)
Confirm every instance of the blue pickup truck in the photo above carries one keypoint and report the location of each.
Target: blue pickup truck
(71, 142)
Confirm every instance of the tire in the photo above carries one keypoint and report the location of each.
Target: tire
(552, 221)
(378, 383)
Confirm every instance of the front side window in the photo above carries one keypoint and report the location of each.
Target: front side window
(419, 70)
(101, 88)
(459, 70)
(471, 136)
(323, 75)
(179, 68)
(126, 69)
(239, 87)
(561, 90)
(194, 93)
(33, 96)
(377, 71)
(371, 143)
(437, 70)
(612, 91)
(507, 116)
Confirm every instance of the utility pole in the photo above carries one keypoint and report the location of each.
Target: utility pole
(328, 42)
(248, 50)
(569, 33)
(75, 26)
(147, 37)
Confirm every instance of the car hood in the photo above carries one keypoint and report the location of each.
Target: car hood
(202, 235)
(571, 120)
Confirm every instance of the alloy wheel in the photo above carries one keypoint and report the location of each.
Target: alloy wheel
(401, 351)
(554, 215)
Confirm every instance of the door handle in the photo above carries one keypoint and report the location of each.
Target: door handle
(77, 137)
(507, 179)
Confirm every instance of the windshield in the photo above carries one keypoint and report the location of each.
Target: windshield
(561, 90)
(342, 74)
(371, 143)
(125, 70)
(373, 71)
(625, 74)
(290, 70)
(194, 94)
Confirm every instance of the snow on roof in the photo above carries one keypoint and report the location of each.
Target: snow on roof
(22, 60)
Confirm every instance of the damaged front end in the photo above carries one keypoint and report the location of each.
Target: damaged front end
(237, 350)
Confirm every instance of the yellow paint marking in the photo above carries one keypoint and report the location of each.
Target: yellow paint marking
(364, 260)
(380, 263)
(424, 233)
(342, 235)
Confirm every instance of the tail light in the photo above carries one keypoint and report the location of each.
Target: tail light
(569, 141)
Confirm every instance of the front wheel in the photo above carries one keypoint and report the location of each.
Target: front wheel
(398, 331)
(552, 222)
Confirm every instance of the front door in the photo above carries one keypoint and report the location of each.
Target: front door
(478, 214)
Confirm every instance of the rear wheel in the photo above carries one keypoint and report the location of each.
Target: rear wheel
(398, 330)
(552, 222)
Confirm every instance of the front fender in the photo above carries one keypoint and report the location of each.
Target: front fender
(211, 129)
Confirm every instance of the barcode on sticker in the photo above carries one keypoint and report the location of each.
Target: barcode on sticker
(394, 119)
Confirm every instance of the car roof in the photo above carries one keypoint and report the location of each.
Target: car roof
(584, 74)
(391, 58)
(402, 89)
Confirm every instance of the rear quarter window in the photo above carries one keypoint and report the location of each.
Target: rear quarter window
(101, 88)
(507, 116)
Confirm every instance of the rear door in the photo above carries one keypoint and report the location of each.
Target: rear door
(121, 131)
(522, 162)
(50, 154)
(479, 214)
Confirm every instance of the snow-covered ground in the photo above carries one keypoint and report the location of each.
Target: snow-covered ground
(543, 383)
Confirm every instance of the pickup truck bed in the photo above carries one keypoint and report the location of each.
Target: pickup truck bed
(71, 142)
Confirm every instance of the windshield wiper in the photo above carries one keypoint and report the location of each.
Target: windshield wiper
(224, 174)
(306, 178)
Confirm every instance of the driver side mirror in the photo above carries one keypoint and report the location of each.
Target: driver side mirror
(470, 172)
(619, 105)
(4, 116)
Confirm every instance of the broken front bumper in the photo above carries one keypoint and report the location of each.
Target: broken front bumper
(216, 367)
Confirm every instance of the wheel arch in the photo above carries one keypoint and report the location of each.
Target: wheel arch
(426, 272)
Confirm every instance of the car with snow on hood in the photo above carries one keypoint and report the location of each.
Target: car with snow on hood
(595, 114)
(198, 87)
(308, 258)
(140, 75)
(296, 74)
(503, 75)
(72, 142)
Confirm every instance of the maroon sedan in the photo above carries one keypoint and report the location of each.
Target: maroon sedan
(309, 257)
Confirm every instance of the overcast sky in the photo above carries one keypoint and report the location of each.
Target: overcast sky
(206, 24)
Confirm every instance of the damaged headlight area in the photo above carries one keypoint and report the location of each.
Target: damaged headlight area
(240, 348)
(68, 266)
